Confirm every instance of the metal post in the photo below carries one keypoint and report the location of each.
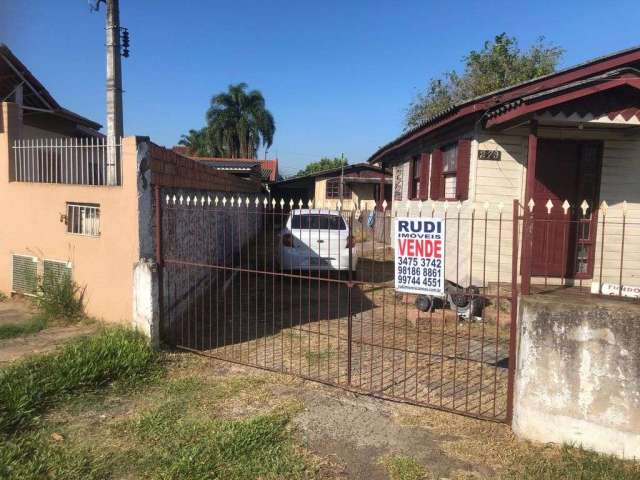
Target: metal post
(514, 315)
(114, 91)
(349, 300)
(381, 187)
(527, 230)
(159, 259)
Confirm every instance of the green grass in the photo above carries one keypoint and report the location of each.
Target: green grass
(37, 456)
(33, 325)
(572, 463)
(29, 387)
(173, 446)
(400, 467)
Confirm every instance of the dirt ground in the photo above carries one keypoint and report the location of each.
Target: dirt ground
(300, 324)
(15, 310)
(19, 311)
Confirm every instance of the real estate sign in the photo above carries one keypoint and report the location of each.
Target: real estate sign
(419, 255)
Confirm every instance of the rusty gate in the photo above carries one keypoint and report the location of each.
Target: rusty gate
(242, 281)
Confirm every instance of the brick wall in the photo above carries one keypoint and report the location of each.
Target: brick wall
(172, 170)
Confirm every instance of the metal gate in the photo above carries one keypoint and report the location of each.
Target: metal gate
(225, 293)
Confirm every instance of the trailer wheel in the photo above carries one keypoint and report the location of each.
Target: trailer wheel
(424, 303)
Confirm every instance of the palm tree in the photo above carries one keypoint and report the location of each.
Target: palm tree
(195, 141)
(238, 122)
(199, 143)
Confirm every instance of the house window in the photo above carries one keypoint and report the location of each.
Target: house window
(333, 189)
(415, 178)
(83, 219)
(450, 170)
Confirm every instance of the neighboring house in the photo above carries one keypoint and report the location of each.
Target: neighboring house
(360, 186)
(66, 206)
(570, 136)
(266, 170)
(42, 115)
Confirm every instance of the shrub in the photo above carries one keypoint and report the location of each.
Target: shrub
(28, 387)
(60, 297)
(3, 297)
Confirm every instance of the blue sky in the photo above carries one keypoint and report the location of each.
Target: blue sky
(337, 75)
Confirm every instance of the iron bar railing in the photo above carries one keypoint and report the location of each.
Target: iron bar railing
(78, 161)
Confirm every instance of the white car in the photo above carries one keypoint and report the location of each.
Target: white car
(316, 239)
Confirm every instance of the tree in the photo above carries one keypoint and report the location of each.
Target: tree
(197, 142)
(325, 163)
(238, 123)
(499, 64)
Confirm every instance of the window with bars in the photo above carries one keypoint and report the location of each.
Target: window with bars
(83, 219)
(450, 170)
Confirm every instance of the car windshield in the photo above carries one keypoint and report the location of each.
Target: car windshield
(318, 222)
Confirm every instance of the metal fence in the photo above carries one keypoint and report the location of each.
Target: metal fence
(231, 290)
(79, 161)
(320, 320)
(581, 248)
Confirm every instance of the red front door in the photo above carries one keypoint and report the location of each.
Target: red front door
(563, 244)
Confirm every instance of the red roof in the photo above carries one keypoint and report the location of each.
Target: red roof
(496, 100)
(269, 167)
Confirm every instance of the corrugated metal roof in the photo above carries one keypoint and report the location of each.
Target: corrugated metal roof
(449, 112)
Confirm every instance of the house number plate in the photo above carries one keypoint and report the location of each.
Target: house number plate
(489, 154)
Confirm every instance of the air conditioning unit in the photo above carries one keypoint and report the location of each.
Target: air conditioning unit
(24, 274)
(55, 270)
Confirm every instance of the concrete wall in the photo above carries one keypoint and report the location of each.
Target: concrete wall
(578, 373)
(31, 225)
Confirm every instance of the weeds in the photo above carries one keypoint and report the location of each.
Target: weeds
(33, 325)
(60, 300)
(3, 297)
(29, 387)
(60, 297)
(400, 467)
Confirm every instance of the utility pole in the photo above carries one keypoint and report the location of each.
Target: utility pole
(114, 90)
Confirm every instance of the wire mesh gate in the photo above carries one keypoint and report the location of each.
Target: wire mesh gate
(230, 289)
